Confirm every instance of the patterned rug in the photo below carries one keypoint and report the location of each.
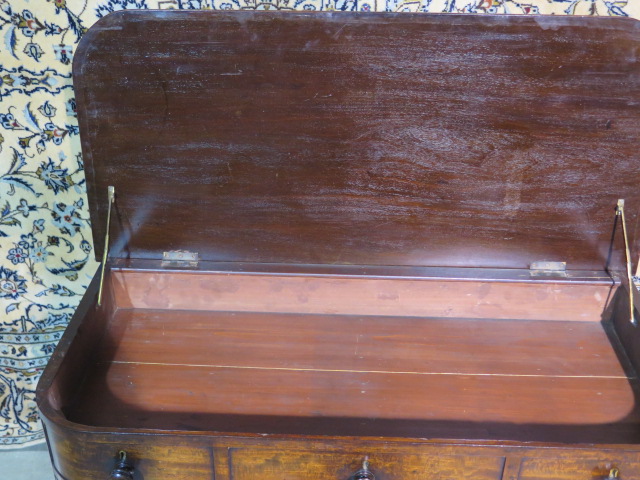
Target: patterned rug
(46, 257)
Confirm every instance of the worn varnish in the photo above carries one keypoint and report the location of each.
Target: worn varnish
(366, 194)
(361, 139)
(255, 463)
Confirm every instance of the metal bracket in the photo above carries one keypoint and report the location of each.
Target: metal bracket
(111, 193)
(179, 259)
(544, 268)
(620, 213)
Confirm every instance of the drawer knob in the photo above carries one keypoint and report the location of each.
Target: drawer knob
(123, 469)
(364, 473)
(614, 474)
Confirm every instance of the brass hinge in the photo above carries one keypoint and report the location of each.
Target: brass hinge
(543, 268)
(179, 259)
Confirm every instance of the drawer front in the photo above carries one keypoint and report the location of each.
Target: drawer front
(148, 462)
(252, 464)
(579, 469)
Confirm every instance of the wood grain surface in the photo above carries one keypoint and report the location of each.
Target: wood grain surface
(528, 299)
(159, 398)
(379, 139)
(575, 469)
(361, 343)
(249, 464)
(260, 373)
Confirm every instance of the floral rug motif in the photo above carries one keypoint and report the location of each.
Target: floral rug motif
(46, 253)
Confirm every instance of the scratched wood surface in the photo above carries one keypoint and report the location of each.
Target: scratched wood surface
(361, 139)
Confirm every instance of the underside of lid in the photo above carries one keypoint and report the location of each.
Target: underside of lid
(370, 139)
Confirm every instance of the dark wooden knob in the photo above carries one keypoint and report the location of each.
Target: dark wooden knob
(123, 469)
(364, 473)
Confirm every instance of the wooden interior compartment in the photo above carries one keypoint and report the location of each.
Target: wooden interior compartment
(539, 361)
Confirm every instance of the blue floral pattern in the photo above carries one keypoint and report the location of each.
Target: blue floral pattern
(46, 257)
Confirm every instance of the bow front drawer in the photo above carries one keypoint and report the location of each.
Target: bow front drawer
(140, 460)
(251, 464)
(601, 468)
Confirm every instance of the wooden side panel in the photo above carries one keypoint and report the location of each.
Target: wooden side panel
(624, 332)
(75, 352)
(250, 464)
(377, 139)
(361, 296)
